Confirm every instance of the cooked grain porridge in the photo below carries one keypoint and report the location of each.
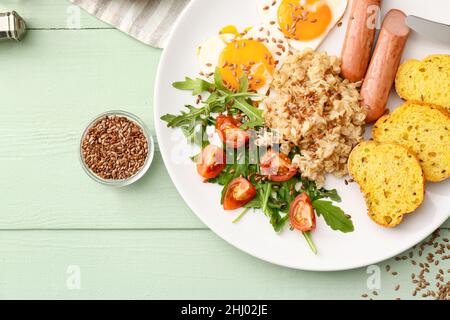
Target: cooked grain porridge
(313, 108)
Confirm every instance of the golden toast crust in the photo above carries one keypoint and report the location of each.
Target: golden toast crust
(390, 178)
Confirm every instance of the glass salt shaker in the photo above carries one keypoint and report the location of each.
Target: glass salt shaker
(12, 26)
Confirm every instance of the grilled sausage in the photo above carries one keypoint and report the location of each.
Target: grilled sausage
(359, 39)
(384, 64)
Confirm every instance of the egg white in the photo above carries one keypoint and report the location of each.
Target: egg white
(208, 53)
(268, 11)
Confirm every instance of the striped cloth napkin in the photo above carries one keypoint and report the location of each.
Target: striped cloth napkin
(149, 21)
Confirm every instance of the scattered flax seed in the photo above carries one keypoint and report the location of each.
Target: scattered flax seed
(434, 251)
(374, 293)
(364, 295)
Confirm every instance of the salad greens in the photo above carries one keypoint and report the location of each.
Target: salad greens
(194, 121)
(273, 198)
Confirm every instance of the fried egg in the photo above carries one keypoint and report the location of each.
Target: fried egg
(257, 52)
(305, 23)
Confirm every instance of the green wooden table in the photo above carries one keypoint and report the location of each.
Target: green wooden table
(64, 236)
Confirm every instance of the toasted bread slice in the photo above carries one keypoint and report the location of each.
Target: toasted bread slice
(426, 81)
(423, 128)
(391, 179)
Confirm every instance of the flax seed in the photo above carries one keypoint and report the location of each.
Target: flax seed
(114, 148)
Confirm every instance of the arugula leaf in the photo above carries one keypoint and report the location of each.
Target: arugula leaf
(316, 194)
(243, 83)
(184, 118)
(239, 217)
(307, 235)
(331, 194)
(269, 206)
(334, 216)
(193, 123)
(278, 222)
(220, 99)
(287, 192)
(254, 114)
(254, 204)
(218, 82)
(265, 196)
(197, 86)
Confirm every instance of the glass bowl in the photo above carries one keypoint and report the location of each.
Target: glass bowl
(142, 170)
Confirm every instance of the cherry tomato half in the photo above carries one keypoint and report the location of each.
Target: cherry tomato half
(229, 132)
(239, 192)
(301, 213)
(277, 166)
(211, 162)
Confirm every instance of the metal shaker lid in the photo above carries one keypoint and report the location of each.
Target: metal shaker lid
(12, 26)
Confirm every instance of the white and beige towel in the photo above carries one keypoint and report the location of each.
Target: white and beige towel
(149, 21)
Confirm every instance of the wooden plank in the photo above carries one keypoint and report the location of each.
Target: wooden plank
(172, 264)
(42, 196)
(52, 14)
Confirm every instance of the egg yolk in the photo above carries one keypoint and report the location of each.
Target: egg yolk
(304, 19)
(246, 56)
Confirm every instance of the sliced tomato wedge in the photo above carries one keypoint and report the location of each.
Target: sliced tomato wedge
(239, 192)
(301, 213)
(211, 162)
(277, 166)
(229, 132)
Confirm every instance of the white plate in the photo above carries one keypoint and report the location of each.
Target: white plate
(369, 243)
